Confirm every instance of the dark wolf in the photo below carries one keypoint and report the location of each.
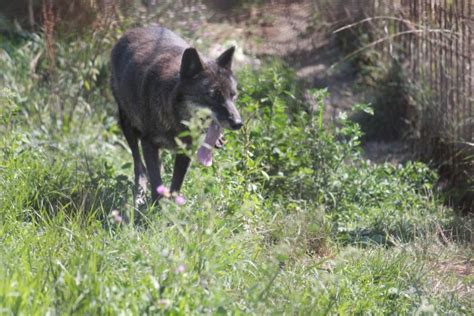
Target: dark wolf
(159, 81)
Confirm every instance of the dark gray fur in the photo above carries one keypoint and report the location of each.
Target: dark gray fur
(156, 80)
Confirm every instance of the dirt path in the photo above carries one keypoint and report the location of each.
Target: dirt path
(292, 32)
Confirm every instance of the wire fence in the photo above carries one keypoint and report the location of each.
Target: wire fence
(433, 41)
(439, 53)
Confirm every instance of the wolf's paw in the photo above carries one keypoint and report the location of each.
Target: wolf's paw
(118, 218)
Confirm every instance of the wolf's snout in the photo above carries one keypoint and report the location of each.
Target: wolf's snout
(233, 118)
(235, 125)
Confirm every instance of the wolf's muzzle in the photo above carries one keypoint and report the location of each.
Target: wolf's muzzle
(235, 125)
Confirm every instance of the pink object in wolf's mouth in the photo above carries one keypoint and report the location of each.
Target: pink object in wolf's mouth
(204, 153)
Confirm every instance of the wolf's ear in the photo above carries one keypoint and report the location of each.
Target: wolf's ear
(225, 59)
(191, 63)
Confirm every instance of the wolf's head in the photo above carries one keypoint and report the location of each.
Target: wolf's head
(210, 84)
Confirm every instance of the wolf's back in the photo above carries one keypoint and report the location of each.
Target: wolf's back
(144, 66)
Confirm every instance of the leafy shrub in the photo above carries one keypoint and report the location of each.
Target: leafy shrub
(293, 156)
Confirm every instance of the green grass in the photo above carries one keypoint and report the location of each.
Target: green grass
(289, 220)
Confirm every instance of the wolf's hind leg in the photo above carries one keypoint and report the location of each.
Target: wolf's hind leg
(153, 165)
(138, 166)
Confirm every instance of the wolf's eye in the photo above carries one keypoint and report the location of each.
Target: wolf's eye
(233, 95)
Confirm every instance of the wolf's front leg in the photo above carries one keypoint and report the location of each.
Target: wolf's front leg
(153, 165)
(181, 164)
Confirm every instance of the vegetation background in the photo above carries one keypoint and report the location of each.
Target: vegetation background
(296, 216)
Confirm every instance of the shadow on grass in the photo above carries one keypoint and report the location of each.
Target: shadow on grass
(457, 229)
(87, 188)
